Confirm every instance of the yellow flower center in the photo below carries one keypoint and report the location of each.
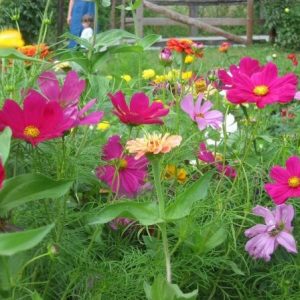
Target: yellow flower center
(261, 90)
(31, 131)
(294, 182)
(123, 163)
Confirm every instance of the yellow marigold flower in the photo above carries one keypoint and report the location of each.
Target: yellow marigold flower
(187, 75)
(126, 77)
(170, 171)
(159, 79)
(103, 126)
(153, 144)
(148, 74)
(189, 59)
(181, 175)
(11, 38)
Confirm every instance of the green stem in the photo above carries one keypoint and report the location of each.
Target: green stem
(163, 227)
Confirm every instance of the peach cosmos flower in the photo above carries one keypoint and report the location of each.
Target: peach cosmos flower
(153, 144)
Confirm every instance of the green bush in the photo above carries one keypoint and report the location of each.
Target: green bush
(282, 19)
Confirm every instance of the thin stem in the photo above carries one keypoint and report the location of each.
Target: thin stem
(163, 227)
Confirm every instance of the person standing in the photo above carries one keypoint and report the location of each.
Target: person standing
(77, 9)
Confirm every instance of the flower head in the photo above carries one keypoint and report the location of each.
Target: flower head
(38, 121)
(181, 46)
(41, 50)
(153, 144)
(200, 112)
(259, 86)
(293, 58)
(103, 126)
(124, 174)
(265, 238)
(287, 181)
(172, 172)
(139, 111)
(224, 47)
(2, 174)
(126, 77)
(148, 74)
(11, 38)
(165, 56)
(189, 59)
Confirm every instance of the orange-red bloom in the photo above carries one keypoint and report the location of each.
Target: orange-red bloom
(41, 50)
(183, 45)
(224, 47)
(293, 58)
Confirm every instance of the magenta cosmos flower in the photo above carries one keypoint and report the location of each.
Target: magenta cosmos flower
(277, 229)
(139, 111)
(200, 112)
(287, 181)
(38, 121)
(2, 174)
(262, 87)
(123, 173)
(247, 65)
(68, 96)
(209, 157)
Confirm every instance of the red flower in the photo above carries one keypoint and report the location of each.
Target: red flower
(2, 174)
(293, 58)
(224, 47)
(183, 45)
(38, 121)
(139, 112)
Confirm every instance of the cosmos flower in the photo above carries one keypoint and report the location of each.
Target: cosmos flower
(265, 238)
(139, 111)
(124, 174)
(38, 121)
(2, 174)
(200, 112)
(287, 181)
(153, 144)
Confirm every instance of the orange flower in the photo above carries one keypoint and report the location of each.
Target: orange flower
(183, 45)
(224, 47)
(153, 144)
(33, 50)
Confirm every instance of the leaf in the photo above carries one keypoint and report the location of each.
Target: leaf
(162, 290)
(136, 4)
(5, 137)
(36, 296)
(12, 243)
(24, 188)
(144, 212)
(78, 40)
(148, 40)
(14, 54)
(183, 204)
(105, 3)
(112, 37)
(208, 238)
(235, 268)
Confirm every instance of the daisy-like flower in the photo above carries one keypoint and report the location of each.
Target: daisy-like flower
(265, 238)
(261, 87)
(224, 47)
(68, 96)
(11, 38)
(2, 174)
(287, 181)
(200, 112)
(181, 45)
(38, 121)
(33, 50)
(124, 174)
(153, 144)
(139, 111)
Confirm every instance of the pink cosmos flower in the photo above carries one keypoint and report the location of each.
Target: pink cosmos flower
(247, 65)
(38, 121)
(297, 96)
(68, 97)
(139, 112)
(200, 112)
(209, 157)
(124, 174)
(287, 181)
(277, 229)
(261, 87)
(2, 174)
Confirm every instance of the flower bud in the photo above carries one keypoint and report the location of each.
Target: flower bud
(165, 57)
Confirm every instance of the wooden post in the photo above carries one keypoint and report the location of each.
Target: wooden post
(113, 15)
(189, 21)
(123, 15)
(250, 21)
(193, 13)
(140, 20)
